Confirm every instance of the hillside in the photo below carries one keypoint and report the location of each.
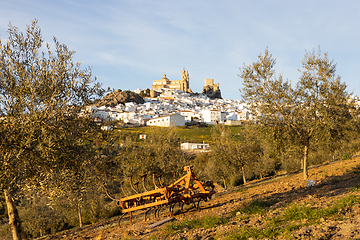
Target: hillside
(281, 207)
(194, 134)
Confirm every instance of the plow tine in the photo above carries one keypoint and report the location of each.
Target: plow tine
(107, 193)
(198, 204)
(122, 188)
(143, 182)
(159, 178)
(171, 209)
(154, 181)
(137, 186)
(121, 218)
(181, 205)
(132, 186)
(146, 212)
(157, 211)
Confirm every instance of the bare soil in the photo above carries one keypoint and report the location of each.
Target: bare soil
(333, 181)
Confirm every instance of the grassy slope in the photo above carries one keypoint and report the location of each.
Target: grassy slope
(186, 134)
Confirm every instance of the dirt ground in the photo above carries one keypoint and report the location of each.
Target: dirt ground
(332, 181)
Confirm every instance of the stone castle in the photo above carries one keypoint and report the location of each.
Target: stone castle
(182, 84)
(210, 89)
(210, 82)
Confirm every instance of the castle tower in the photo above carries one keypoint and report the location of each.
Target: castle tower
(187, 85)
(184, 80)
(183, 75)
(209, 82)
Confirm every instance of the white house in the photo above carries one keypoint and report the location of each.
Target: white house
(130, 106)
(107, 128)
(167, 121)
(211, 116)
(245, 115)
(148, 105)
(189, 115)
(125, 116)
(193, 146)
(223, 116)
(232, 116)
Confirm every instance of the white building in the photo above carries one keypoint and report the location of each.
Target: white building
(125, 116)
(130, 107)
(232, 116)
(167, 121)
(107, 128)
(190, 115)
(193, 146)
(245, 115)
(211, 116)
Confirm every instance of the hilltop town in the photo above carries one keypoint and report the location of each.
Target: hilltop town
(172, 103)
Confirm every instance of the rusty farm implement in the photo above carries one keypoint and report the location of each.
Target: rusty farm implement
(186, 190)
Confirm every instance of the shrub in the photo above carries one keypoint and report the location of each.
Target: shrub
(345, 157)
(302, 212)
(204, 222)
(256, 206)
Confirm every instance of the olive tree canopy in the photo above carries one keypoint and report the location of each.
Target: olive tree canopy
(42, 95)
(317, 104)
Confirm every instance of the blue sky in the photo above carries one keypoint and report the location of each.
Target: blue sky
(130, 43)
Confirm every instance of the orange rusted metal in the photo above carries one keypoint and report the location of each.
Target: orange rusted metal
(186, 190)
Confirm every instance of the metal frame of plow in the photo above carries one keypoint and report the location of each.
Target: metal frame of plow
(182, 191)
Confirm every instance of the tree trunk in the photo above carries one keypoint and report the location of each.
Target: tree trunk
(243, 174)
(306, 154)
(80, 216)
(14, 220)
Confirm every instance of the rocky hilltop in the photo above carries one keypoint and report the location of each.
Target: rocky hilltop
(211, 91)
(120, 97)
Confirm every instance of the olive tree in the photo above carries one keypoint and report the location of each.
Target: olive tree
(317, 104)
(42, 94)
(230, 155)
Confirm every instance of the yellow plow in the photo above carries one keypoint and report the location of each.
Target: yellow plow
(186, 190)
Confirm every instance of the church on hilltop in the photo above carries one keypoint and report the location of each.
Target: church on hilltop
(182, 84)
